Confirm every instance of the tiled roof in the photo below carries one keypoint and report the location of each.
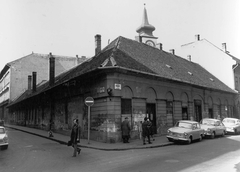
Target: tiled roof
(132, 55)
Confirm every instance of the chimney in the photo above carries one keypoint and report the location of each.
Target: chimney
(51, 70)
(172, 51)
(189, 58)
(97, 44)
(224, 47)
(197, 37)
(159, 46)
(29, 82)
(34, 83)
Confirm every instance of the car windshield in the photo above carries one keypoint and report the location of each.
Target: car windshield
(184, 125)
(229, 121)
(2, 131)
(208, 122)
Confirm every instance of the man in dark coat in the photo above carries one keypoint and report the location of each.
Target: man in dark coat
(75, 137)
(125, 130)
(145, 131)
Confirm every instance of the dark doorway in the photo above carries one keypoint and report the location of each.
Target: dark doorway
(185, 113)
(151, 113)
(210, 112)
(198, 110)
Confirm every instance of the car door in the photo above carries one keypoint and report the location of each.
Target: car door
(217, 128)
(195, 131)
(238, 125)
(222, 128)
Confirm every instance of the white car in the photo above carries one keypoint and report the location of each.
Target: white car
(3, 138)
(212, 127)
(185, 130)
(232, 125)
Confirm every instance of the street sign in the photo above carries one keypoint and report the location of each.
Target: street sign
(89, 101)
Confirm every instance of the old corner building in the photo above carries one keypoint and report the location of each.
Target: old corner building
(133, 78)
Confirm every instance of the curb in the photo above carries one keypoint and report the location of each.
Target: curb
(97, 148)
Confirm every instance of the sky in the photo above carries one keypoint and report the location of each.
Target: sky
(68, 27)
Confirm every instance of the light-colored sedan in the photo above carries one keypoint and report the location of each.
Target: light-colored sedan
(232, 125)
(3, 138)
(185, 130)
(212, 127)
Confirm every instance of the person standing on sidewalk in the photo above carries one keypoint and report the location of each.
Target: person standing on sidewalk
(145, 131)
(125, 130)
(75, 137)
(150, 128)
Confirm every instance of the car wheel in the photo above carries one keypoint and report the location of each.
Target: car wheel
(223, 133)
(189, 140)
(200, 138)
(213, 135)
(170, 140)
(235, 132)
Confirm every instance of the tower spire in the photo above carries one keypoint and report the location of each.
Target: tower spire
(145, 28)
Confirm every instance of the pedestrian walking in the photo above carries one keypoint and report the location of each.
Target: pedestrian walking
(145, 131)
(75, 137)
(125, 130)
(50, 133)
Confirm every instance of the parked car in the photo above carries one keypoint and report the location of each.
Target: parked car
(185, 130)
(212, 127)
(232, 125)
(3, 138)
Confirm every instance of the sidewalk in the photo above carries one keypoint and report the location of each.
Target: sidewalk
(160, 141)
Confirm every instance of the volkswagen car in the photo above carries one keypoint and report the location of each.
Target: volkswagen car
(232, 125)
(186, 131)
(212, 127)
(3, 138)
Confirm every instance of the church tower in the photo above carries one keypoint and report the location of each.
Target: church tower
(145, 31)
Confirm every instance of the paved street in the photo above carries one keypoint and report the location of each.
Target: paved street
(28, 152)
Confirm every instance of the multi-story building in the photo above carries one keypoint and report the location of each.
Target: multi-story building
(217, 61)
(15, 74)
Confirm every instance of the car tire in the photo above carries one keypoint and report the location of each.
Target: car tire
(223, 134)
(213, 135)
(170, 140)
(235, 132)
(200, 138)
(189, 140)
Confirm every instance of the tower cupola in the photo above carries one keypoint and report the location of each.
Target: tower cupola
(145, 31)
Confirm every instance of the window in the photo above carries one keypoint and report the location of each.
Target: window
(236, 82)
(126, 106)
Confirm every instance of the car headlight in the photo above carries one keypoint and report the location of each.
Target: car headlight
(168, 131)
(5, 139)
(208, 130)
(185, 134)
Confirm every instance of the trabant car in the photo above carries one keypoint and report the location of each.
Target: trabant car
(185, 130)
(3, 138)
(212, 127)
(232, 125)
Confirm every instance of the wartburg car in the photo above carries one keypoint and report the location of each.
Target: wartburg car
(232, 125)
(3, 138)
(212, 127)
(185, 130)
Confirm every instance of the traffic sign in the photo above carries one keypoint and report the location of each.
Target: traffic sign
(89, 101)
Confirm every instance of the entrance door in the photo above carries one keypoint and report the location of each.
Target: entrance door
(151, 113)
(198, 110)
(210, 112)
